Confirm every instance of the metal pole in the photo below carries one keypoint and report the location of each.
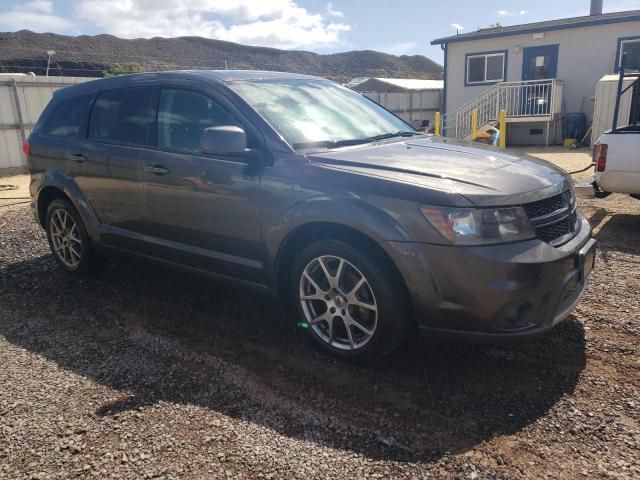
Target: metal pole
(548, 128)
(474, 124)
(50, 53)
(438, 121)
(16, 100)
(616, 110)
(503, 129)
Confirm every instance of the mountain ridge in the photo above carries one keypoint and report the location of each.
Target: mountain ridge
(92, 55)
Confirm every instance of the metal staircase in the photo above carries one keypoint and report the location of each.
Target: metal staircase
(526, 101)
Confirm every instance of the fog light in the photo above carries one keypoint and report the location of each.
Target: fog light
(514, 316)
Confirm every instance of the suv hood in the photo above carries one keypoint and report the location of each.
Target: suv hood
(483, 175)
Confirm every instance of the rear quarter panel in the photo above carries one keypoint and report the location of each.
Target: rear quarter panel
(622, 173)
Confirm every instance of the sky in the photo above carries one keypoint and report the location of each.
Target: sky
(400, 27)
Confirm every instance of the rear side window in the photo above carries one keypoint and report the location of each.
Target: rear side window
(182, 117)
(66, 118)
(121, 116)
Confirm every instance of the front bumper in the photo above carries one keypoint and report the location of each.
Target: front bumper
(493, 293)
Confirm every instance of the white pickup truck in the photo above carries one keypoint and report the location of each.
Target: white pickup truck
(616, 154)
(617, 161)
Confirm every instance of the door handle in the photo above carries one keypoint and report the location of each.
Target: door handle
(156, 169)
(78, 157)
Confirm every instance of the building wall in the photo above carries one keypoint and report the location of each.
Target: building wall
(585, 55)
(21, 103)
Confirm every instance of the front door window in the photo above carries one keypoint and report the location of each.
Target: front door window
(539, 67)
(540, 63)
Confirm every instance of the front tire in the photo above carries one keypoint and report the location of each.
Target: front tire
(68, 238)
(351, 302)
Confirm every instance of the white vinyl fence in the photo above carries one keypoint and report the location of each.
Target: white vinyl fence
(22, 99)
(412, 106)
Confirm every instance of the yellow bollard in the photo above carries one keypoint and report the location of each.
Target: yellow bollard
(474, 124)
(438, 122)
(503, 129)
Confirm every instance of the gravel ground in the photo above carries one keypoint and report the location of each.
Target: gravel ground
(145, 372)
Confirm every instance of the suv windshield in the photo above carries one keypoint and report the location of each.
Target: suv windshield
(316, 113)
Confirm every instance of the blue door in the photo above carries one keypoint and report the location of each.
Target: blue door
(538, 64)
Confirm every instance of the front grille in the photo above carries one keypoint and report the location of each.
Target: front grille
(554, 218)
(549, 233)
(546, 206)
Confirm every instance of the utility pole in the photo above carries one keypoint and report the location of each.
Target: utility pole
(50, 53)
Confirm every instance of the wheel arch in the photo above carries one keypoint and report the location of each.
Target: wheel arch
(47, 195)
(57, 185)
(307, 233)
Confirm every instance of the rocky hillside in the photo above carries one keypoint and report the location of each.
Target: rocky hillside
(84, 55)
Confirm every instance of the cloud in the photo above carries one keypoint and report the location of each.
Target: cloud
(508, 13)
(42, 6)
(36, 15)
(273, 23)
(333, 12)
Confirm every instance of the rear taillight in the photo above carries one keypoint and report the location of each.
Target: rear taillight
(26, 148)
(600, 156)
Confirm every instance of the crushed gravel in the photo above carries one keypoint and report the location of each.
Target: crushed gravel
(142, 372)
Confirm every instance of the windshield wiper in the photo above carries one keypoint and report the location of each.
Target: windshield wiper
(353, 141)
(330, 143)
(401, 133)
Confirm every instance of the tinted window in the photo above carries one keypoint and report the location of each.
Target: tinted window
(121, 116)
(182, 117)
(66, 118)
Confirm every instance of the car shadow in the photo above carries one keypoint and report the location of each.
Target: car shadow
(596, 216)
(620, 233)
(159, 335)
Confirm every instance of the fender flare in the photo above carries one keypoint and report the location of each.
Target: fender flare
(64, 183)
(351, 213)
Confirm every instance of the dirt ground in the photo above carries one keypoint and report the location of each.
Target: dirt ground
(145, 372)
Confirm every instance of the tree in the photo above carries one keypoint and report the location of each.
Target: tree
(124, 68)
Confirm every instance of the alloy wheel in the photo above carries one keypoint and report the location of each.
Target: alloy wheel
(65, 238)
(338, 302)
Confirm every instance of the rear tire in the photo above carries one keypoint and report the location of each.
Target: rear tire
(351, 303)
(68, 238)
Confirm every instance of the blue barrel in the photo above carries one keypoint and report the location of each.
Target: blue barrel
(574, 125)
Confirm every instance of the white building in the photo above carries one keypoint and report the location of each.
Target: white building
(538, 72)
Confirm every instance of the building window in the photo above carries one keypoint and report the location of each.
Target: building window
(629, 54)
(485, 68)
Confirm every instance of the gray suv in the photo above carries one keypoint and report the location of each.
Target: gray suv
(303, 188)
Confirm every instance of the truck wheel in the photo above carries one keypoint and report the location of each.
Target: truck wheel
(353, 307)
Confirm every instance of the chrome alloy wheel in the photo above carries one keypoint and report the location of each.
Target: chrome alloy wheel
(338, 302)
(65, 238)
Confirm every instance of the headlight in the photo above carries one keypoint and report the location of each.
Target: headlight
(480, 226)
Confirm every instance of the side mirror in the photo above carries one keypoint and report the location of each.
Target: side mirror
(224, 140)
